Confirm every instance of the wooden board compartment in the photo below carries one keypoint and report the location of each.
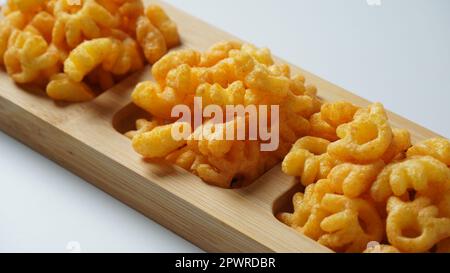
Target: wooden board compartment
(86, 139)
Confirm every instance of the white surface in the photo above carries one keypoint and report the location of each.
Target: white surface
(397, 53)
(45, 208)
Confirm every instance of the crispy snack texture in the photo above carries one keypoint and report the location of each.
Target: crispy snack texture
(95, 43)
(227, 74)
(368, 189)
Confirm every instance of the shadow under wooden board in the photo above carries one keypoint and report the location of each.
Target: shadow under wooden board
(83, 138)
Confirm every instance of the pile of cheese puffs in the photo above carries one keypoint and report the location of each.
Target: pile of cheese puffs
(367, 188)
(73, 48)
(227, 74)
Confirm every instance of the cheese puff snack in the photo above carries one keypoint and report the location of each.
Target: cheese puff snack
(218, 52)
(331, 116)
(354, 180)
(168, 28)
(281, 70)
(415, 226)
(92, 42)
(25, 6)
(63, 88)
(142, 126)
(367, 162)
(30, 57)
(308, 214)
(338, 113)
(229, 74)
(438, 148)
(401, 141)
(220, 171)
(128, 11)
(365, 139)
(240, 67)
(215, 94)
(425, 175)
(74, 26)
(339, 222)
(220, 162)
(160, 137)
(117, 57)
(352, 223)
(261, 55)
(150, 39)
(222, 74)
(13, 21)
(86, 57)
(212, 142)
(150, 97)
(277, 87)
(294, 126)
(43, 23)
(125, 57)
(303, 105)
(308, 160)
(173, 60)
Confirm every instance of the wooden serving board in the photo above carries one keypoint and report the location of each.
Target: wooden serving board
(86, 139)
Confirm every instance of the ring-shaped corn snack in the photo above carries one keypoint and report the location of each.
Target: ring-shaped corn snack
(308, 214)
(352, 223)
(438, 148)
(305, 158)
(364, 140)
(415, 226)
(354, 180)
(425, 175)
(331, 116)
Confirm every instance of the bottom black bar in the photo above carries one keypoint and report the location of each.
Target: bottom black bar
(260, 263)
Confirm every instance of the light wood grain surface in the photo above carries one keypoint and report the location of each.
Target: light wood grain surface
(82, 138)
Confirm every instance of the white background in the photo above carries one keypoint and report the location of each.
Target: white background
(397, 53)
